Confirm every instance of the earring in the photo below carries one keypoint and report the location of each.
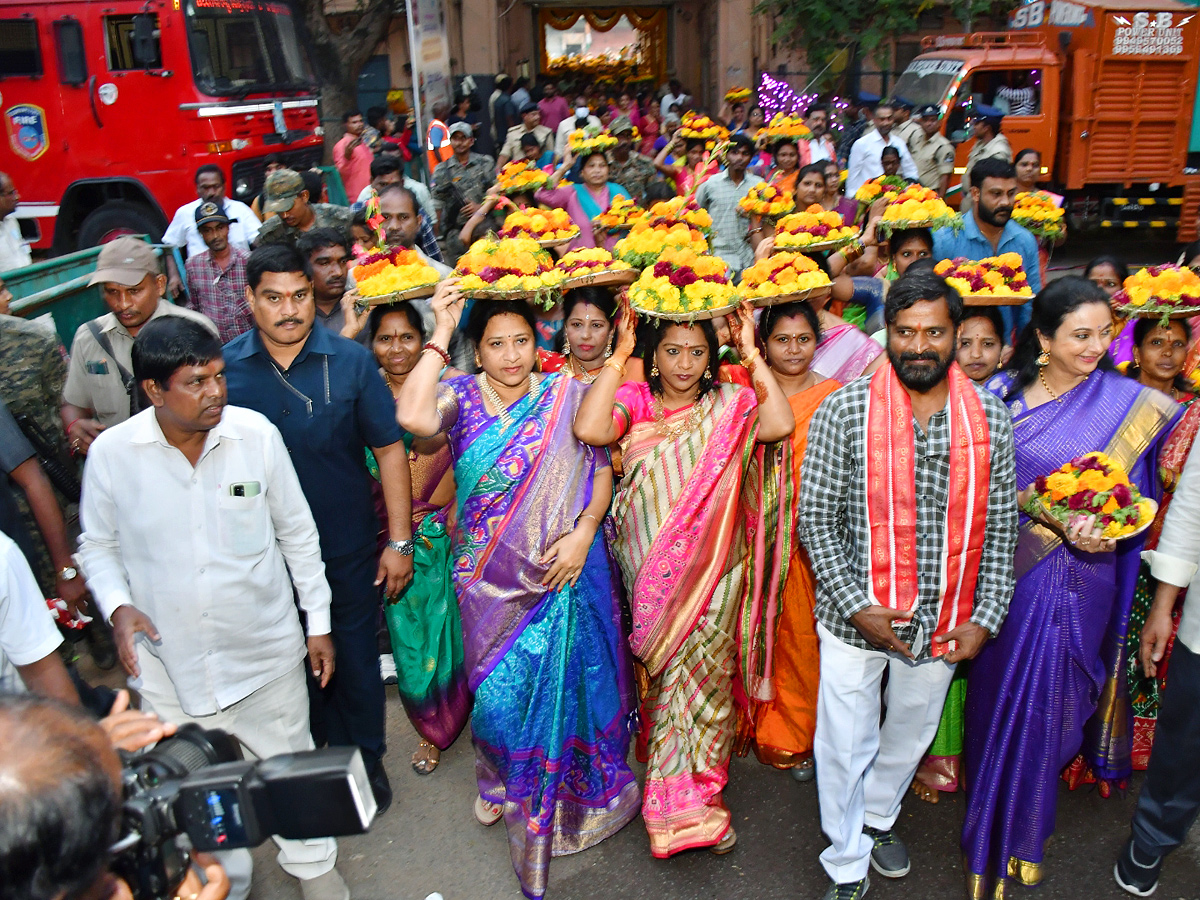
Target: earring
(1044, 359)
(478, 360)
(608, 348)
(654, 369)
(708, 373)
(567, 344)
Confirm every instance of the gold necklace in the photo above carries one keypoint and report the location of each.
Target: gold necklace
(1046, 385)
(583, 374)
(490, 395)
(694, 417)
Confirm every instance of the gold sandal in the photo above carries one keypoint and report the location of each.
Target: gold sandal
(426, 758)
(726, 843)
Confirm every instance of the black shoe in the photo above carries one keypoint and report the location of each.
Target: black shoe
(851, 890)
(100, 645)
(889, 856)
(1137, 872)
(381, 788)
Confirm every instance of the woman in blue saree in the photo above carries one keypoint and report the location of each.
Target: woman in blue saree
(536, 587)
(1033, 687)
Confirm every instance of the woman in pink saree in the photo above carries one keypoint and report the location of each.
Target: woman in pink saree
(693, 516)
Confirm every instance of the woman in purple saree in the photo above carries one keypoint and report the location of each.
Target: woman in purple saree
(537, 590)
(1033, 688)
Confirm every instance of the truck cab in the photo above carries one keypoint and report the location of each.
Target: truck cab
(110, 107)
(1104, 91)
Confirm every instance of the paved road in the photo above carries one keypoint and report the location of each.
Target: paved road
(429, 841)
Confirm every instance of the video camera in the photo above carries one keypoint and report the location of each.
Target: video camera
(193, 791)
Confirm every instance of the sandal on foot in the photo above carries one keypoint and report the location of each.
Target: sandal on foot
(425, 758)
(726, 843)
(805, 771)
(487, 812)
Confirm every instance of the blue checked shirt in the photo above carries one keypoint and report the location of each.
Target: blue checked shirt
(833, 516)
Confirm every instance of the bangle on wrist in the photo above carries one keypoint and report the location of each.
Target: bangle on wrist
(751, 358)
(613, 364)
(431, 346)
(587, 515)
(72, 424)
(404, 548)
(852, 251)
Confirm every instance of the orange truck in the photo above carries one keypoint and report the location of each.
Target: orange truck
(1106, 91)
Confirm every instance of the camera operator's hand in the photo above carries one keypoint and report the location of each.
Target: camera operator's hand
(320, 657)
(217, 887)
(131, 729)
(127, 621)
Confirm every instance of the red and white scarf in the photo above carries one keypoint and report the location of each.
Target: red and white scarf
(892, 502)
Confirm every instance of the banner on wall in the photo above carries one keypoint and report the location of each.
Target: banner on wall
(429, 53)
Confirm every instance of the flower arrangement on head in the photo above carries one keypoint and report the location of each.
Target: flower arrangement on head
(695, 127)
(588, 264)
(385, 272)
(497, 266)
(1159, 292)
(1094, 485)
(815, 225)
(918, 207)
(683, 283)
(780, 275)
(644, 244)
(546, 226)
(993, 276)
(621, 214)
(590, 139)
(1037, 213)
(784, 127)
(667, 213)
(886, 186)
(766, 200)
(521, 177)
(737, 95)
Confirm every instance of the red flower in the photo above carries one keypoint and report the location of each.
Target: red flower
(1081, 501)
(1040, 485)
(683, 277)
(491, 274)
(1122, 495)
(662, 269)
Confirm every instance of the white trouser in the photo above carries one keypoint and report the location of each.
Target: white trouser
(864, 769)
(272, 720)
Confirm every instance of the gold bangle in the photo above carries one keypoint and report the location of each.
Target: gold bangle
(751, 358)
(853, 251)
(587, 515)
(613, 364)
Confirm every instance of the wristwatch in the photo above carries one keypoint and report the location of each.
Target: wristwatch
(68, 573)
(404, 548)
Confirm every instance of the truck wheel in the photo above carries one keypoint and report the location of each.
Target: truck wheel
(115, 219)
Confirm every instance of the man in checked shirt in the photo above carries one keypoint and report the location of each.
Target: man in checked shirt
(909, 514)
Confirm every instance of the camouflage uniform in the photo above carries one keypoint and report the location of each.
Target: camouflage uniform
(35, 369)
(472, 182)
(635, 175)
(276, 231)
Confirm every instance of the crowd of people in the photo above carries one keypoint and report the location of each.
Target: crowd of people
(804, 532)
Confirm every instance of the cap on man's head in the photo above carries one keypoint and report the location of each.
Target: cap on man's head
(902, 103)
(983, 111)
(621, 125)
(928, 111)
(461, 128)
(125, 261)
(211, 212)
(282, 188)
(530, 107)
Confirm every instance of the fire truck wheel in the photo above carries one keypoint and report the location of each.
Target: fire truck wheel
(116, 219)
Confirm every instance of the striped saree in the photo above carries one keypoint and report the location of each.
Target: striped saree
(682, 544)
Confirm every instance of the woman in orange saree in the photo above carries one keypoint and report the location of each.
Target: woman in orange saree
(782, 727)
(692, 513)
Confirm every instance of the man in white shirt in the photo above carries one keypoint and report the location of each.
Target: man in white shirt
(865, 162)
(183, 233)
(29, 640)
(14, 252)
(582, 119)
(1170, 797)
(195, 531)
(674, 97)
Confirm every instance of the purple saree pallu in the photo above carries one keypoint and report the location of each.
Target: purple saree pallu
(550, 670)
(1034, 687)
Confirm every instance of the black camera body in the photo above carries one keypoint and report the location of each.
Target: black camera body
(194, 791)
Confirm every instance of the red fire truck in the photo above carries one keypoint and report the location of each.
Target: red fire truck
(109, 108)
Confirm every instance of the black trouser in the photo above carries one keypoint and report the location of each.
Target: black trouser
(1170, 797)
(350, 709)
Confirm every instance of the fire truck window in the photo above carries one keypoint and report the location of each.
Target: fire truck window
(20, 54)
(68, 39)
(132, 42)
